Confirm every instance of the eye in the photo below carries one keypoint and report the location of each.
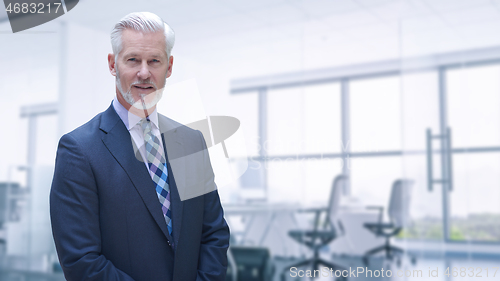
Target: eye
(131, 59)
(155, 60)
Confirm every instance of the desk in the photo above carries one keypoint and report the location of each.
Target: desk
(267, 225)
(264, 225)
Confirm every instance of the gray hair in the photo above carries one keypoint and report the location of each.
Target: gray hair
(144, 22)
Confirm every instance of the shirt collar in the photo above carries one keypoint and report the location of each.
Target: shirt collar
(130, 119)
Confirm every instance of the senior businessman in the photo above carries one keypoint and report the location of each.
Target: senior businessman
(133, 195)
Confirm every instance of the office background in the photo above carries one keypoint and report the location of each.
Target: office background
(376, 90)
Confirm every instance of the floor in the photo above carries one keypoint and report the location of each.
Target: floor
(27, 276)
(436, 269)
(403, 269)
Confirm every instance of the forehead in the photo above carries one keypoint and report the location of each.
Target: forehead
(151, 43)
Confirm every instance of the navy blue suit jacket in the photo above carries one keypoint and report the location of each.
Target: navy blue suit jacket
(107, 221)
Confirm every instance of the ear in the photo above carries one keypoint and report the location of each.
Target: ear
(111, 64)
(170, 63)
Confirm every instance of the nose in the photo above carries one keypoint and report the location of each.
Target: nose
(144, 73)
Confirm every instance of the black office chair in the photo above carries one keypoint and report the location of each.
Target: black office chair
(249, 264)
(399, 207)
(320, 236)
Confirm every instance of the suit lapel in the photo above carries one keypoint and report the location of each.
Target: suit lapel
(173, 146)
(120, 144)
(175, 152)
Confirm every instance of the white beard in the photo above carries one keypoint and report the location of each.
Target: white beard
(150, 100)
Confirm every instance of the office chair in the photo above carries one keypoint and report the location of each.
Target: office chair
(320, 236)
(399, 207)
(232, 269)
(250, 264)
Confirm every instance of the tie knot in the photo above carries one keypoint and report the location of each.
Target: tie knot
(145, 122)
(145, 125)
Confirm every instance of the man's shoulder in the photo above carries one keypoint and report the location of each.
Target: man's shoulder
(87, 132)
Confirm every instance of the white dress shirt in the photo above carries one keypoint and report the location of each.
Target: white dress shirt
(131, 121)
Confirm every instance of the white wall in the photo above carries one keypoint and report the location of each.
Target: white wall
(87, 87)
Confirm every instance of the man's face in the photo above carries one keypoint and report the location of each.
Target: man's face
(141, 68)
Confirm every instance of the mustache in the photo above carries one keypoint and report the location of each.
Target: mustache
(145, 82)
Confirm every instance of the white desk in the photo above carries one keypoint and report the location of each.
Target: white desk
(260, 221)
(267, 225)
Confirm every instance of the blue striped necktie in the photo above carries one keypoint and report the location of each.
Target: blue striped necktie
(157, 170)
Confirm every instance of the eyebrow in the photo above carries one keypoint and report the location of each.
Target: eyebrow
(135, 55)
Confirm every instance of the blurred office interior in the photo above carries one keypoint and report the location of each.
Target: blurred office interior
(398, 100)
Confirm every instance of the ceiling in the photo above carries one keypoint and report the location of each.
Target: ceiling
(353, 30)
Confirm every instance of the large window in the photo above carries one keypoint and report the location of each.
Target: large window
(420, 112)
(305, 182)
(375, 114)
(303, 129)
(388, 121)
(475, 212)
(246, 109)
(473, 105)
(372, 178)
(474, 116)
(304, 120)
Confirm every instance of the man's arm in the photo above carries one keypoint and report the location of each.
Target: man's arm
(212, 262)
(74, 213)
